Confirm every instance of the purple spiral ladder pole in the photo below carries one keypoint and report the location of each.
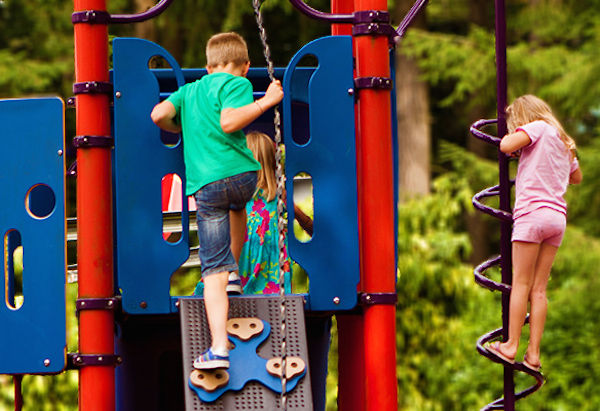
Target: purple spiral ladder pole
(507, 402)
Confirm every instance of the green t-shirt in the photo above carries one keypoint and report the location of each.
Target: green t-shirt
(209, 153)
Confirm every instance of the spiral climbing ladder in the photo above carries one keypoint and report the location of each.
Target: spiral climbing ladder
(502, 190)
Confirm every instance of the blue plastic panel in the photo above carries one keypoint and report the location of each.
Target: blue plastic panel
(144, 260)
(331, 257)
(33, 337)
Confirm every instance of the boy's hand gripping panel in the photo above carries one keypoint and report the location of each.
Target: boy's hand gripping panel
(143, 259)
(33, 336)
(331, 256)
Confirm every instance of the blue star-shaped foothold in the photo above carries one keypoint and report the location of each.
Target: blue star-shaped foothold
(245, 364)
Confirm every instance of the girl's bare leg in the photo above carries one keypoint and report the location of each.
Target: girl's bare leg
(539, 302)
(524, 257)
(237, 228)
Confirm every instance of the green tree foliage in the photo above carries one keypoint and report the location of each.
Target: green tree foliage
(442, 312)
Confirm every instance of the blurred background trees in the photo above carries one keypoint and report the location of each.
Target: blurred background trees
(445, 71)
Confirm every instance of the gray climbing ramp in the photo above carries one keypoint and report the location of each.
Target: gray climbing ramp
(254, 395)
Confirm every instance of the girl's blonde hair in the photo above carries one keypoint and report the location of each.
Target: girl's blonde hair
(263, 149)
(529, 108)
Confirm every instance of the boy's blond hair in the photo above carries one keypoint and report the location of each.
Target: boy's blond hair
(263, 149)
(225, 48)
(529, 108)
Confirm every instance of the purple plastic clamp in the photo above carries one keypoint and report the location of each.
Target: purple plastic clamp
(93, 87)
(371, 16)
(379, 29)
(378, 298)
(93, 141)
(384, 83)
(77, 360)
(110, 303)
(91, 16)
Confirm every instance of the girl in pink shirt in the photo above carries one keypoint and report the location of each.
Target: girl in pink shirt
(547, 164)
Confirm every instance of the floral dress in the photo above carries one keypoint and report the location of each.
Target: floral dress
(259, 261)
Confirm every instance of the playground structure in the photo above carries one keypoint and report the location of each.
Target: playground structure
(127, 319)
(124, 263)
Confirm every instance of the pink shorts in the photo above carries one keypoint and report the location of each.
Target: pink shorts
(544, 225)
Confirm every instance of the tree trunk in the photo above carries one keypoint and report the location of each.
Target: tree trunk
(414, 123)
(478, 226)
(147, 29)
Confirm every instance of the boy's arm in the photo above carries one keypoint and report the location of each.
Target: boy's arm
(234, 119)
(163, 115)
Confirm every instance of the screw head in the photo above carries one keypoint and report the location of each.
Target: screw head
(143, 304)
(350, 91)
(336, 300)
(47, 362)
(59, 152)
(118, 94)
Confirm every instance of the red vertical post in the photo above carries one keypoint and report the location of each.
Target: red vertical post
(351, 364)
(377, 231)
(94, 212)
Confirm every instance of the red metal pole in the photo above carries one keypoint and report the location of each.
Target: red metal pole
(351, 357)
(376, 217)
(94, 212)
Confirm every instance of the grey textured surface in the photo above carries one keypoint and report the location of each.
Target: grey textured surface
(254, 396)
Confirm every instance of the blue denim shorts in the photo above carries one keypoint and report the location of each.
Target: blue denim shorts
(213, 202)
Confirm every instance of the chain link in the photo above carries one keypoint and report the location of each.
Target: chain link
(281, 222)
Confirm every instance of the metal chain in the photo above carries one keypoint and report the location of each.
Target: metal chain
(281, 222)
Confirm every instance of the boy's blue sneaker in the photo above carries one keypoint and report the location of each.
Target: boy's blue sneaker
(209, 361)
(234, 286)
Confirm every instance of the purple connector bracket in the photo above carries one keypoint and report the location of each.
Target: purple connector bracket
(384, 83)
(91, 17)
(378, 298)
(93, 87)
(96, 304)
(77, 360)
(93, 141)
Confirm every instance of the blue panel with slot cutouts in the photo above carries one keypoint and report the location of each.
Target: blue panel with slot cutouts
(330, 257)
(32, 220)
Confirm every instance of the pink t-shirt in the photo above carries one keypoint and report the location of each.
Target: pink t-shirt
(544, 169)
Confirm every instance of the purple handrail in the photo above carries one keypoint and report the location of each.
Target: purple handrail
(351, 18)
(146, 15)
(319, 15)
(410, 16)
(475, 130)
(490, 192)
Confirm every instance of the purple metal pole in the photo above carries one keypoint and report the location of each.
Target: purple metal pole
(505, 226)
(17, 379)
(146, 15)
(319, 15)
(410, 16)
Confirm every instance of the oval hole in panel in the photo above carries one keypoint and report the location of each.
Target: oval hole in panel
(163, 72)
(304, 201)
(300, 102)
(13, 269)
(40, 201)
(171, 208)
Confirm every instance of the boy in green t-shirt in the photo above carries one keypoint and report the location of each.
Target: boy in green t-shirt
(220, 170)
